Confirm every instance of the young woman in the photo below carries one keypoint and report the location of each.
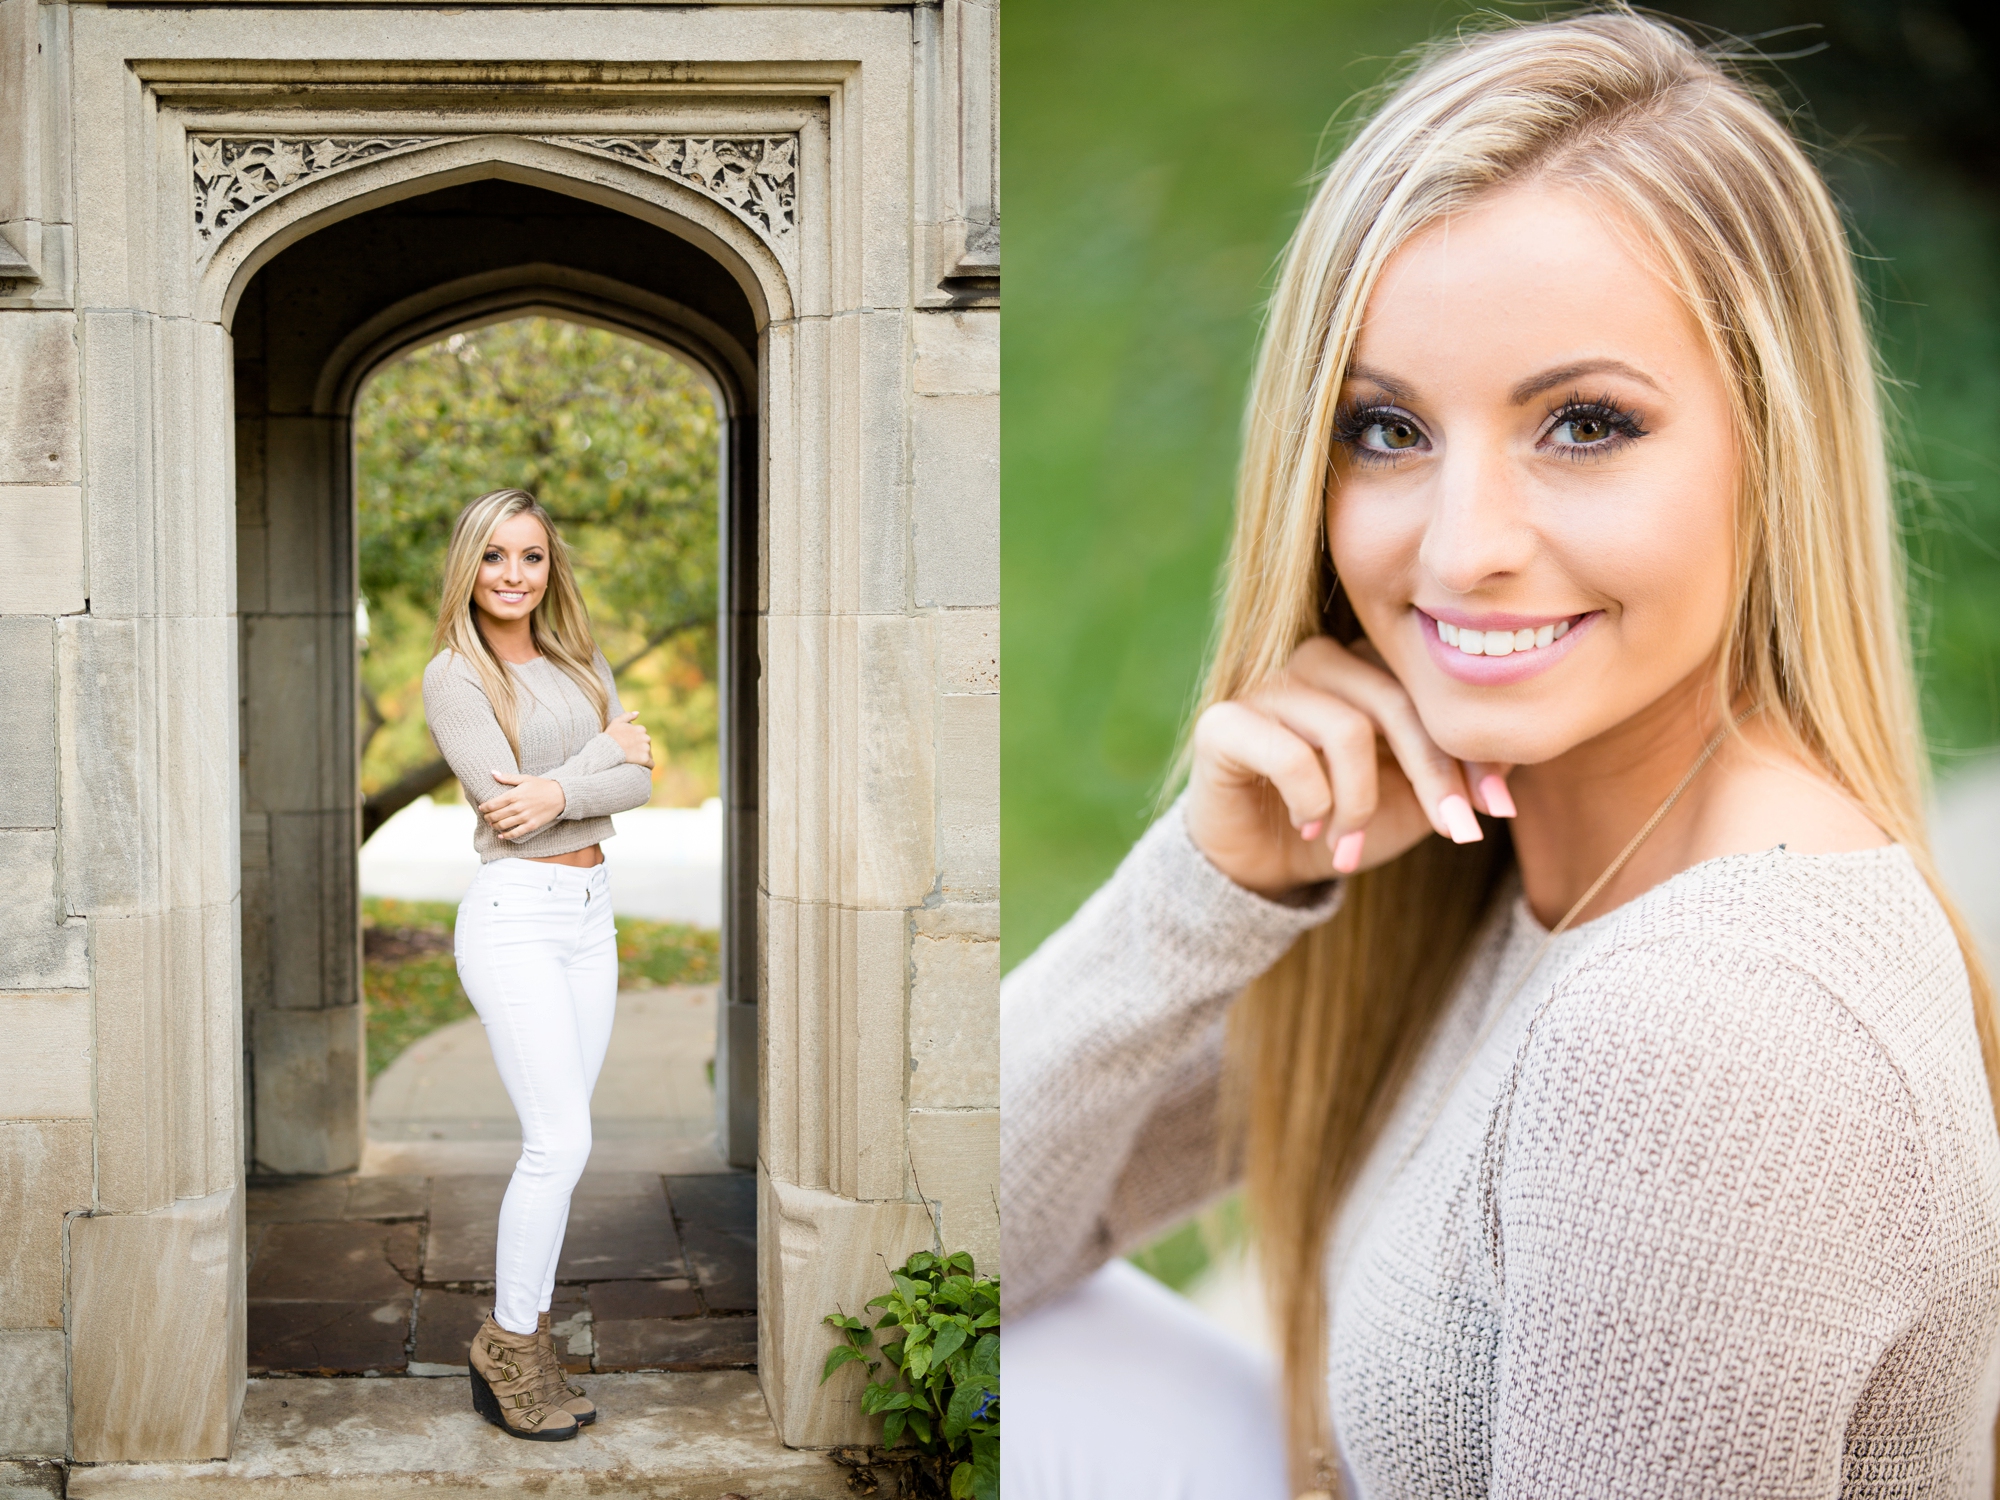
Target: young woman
(1638, 1137)
(522, 705)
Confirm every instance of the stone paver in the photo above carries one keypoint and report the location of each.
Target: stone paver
(330, 1338)
(649, 1264)
(677, 1344)
(446, 1322)
(620, 1228)
(644, 1299)
(343, 1262)
(464, 1223)
(660, 1437)
(719, 1227)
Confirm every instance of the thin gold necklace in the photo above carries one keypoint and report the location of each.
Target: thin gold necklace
(1494, 1015)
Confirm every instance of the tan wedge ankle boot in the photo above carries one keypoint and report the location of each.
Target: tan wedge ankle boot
(510, 1386)
(560, 1392)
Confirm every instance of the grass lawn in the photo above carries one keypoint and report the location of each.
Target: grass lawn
(410, 983)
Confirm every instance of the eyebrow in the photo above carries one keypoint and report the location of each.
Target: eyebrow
(1548, 380)
(1522, 393)
(1391, 387)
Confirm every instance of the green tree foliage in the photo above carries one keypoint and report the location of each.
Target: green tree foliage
(620, 441)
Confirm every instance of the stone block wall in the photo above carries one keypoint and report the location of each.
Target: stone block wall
(47, 1171)
(118, 1139)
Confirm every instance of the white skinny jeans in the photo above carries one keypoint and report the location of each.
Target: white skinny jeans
(1121, 1390)
(538, 956)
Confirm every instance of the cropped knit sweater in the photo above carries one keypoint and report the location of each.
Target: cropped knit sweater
(560, 739)
(1712, 1209)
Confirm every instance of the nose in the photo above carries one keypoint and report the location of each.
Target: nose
(1478, 529)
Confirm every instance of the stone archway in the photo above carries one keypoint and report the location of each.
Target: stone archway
(309, 325)
(873, 604)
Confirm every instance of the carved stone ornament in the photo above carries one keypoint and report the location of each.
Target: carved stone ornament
(756, 177)
(234, 176)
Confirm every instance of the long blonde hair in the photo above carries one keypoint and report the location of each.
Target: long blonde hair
(1740, 222)
(559, 626)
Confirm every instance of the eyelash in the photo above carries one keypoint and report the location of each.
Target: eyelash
(494, 557)
(1354, 419)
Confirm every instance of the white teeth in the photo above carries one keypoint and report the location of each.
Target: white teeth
(1501, 642)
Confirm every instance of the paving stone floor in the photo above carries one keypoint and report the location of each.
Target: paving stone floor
(390, 1275)
(667, 1436)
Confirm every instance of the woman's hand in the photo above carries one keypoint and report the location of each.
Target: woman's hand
(1326, 771)
(632, 739)
(529, 805)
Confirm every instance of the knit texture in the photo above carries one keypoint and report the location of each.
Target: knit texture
(1712, 1208)
(560, 739)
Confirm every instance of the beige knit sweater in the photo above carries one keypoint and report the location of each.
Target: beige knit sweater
(1713, 1209)
(560, 739)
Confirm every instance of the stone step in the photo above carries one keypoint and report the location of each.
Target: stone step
(700, 1436)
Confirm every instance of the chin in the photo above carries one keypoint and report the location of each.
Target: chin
(1497, 737)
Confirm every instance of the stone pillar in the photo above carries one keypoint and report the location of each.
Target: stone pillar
(880, 715)
(301, 794)
(119, 1179)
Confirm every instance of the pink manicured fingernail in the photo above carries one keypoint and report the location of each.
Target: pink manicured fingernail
(1499, 801)
(1459, 821)
(1347, 851)
(1310, 831)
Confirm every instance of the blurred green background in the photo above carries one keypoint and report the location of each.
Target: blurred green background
(1157, 154)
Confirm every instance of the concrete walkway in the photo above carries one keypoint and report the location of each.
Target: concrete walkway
(661, 1437)
(440, 1107)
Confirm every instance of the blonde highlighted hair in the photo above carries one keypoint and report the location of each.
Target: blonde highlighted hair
(1694, 159)
(559, 626)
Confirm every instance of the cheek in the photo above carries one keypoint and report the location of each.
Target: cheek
(1374, 545)
(1663, 554)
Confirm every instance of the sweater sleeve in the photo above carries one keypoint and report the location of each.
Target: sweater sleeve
(1709, 1200)
(469, 737)
(1110, 1052)
(598, 779)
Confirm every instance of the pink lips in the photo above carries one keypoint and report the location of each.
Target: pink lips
(1500, 671)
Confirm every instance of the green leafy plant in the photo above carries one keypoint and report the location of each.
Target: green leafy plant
(941, 1345)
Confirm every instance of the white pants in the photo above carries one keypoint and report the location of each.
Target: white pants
(538, 956)
(1121, 1390)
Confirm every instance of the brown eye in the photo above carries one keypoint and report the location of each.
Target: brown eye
(1588, 429)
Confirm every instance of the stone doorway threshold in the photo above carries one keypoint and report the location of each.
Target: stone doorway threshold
(668, 1436)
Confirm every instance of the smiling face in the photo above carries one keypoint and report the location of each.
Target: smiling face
(514, 570)
(1532, 501)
